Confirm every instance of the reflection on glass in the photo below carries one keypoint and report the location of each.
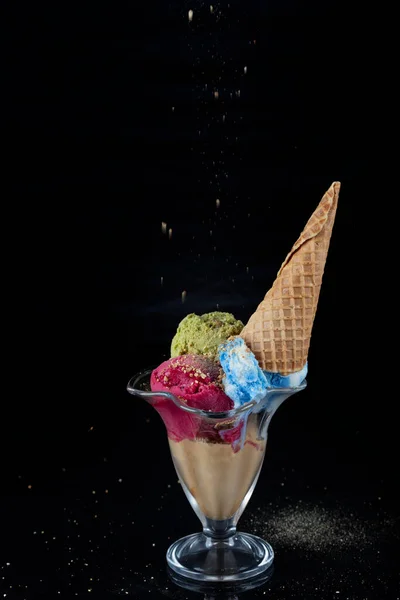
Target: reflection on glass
(223, 591)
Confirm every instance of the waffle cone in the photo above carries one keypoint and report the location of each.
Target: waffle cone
(279, 331)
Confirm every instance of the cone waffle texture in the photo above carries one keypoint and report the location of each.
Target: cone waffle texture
(279, 332)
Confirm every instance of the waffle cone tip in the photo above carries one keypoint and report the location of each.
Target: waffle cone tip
(279, 331)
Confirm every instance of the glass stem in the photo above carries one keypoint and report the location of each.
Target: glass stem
(219, 530)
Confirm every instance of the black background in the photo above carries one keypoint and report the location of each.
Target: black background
(103, 145)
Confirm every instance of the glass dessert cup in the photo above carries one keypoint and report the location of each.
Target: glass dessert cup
(218, 457)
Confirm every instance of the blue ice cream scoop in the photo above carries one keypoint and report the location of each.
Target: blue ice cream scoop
(243, 378)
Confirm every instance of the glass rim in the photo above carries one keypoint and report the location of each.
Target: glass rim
(145, 373)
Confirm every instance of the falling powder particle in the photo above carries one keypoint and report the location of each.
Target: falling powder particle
(211, 8)
(190, 15)
(162, 280)
(210, 231)
(218, 202)
(245, 70)
(173, 108)
(238, 93)
(216, 94)
(169, 233)
(29, 487)
(223, 118)
(183, 296)
(163, 227)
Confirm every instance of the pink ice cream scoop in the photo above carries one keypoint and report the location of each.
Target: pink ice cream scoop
(196, 380)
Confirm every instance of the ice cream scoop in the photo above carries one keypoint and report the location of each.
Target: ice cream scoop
(194, 379)
(202, 334)
(243, 379)
(197, 382)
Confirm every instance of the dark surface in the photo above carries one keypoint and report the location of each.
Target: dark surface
(98, 160)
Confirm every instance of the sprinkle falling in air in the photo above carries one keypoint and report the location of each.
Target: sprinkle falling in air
(190, 15)
(217, 202)
(211, 8)
(163, 227)
(169, 233)
(184, 296)
(245, 70)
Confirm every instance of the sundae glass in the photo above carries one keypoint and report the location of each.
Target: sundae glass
(217, 395)
(218, 464)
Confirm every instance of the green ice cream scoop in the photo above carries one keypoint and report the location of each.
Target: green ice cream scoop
(202, 334)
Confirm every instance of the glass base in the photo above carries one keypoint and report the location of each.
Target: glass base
(237, 558)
